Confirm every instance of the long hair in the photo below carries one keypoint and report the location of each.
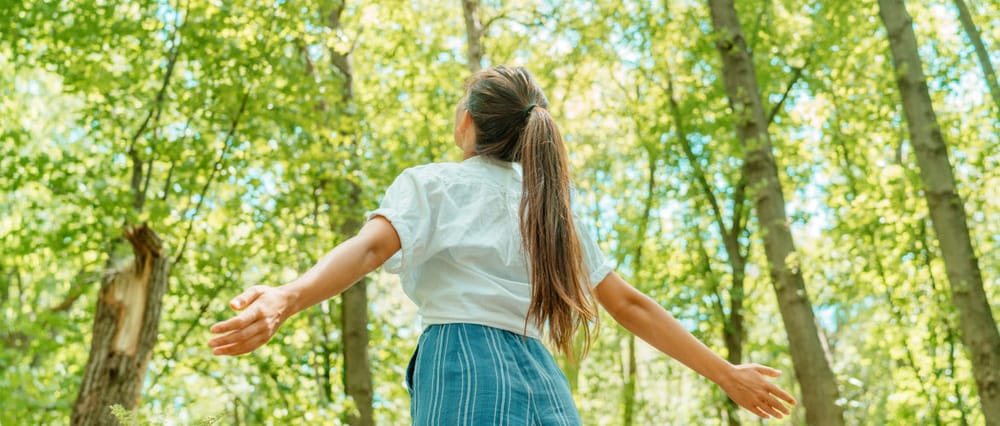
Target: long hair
(513, 124)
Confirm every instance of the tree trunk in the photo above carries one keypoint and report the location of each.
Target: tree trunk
(629, 365)
(357, 375)
(733, 331)
(978, 328)
(357, 371)
(958, 402)
(125, 330)
(628, 390)
(474, 34)
(984, 58)
(819, 389)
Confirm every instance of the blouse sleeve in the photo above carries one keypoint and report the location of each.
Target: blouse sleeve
(597, 265)
(406, 205)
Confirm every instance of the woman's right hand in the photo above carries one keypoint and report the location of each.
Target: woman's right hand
(264, 310)
(748, 386)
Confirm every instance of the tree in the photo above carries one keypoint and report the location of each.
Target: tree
(78, 79)
(126, 327)
(356, 374)
(127, 315)
(947, 211)
(984, 58)
(819, 388)
(733, 332)
(474, 35)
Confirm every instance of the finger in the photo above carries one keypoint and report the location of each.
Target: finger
(776, 391)
(243, 347)
(242, 320)
(780, 407)
(246, 298)
(768, 407)
(758, 412)
(239, 335)
(773, 406)
(767, 371)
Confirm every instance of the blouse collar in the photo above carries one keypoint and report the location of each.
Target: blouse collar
(505, 165)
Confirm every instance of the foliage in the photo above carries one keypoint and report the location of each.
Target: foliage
(234, 112)
(138, 418)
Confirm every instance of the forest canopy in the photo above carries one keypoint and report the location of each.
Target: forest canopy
(808, 185)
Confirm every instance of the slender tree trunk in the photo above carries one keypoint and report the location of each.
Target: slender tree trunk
(474, 34)
(978, 328)
(630, 365)
(357, 371)
(984, 57)
(819, 389)
(733, 331)
(127, 316)
(357, 376)
(958, 402)
(628, 390)
(869, 244)
(125, 330)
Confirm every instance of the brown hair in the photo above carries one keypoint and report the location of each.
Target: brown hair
(513, 124)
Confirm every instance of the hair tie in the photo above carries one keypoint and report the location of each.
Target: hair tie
(527, 110)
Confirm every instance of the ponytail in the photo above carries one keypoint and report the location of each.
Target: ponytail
(558, 275)
(513, 124)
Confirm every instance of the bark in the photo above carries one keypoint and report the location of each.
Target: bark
(628, 390)
(357, 376)
(474, 34)
(357, 371)
(733, 331)
(125, 331)
(127, 316)
(984, 57)
(958, 402)
(978, 328)
(812, 369)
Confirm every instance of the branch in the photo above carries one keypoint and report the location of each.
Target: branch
(357, 39)
(486, 25)
(171, 62)
(707, 271)
(11, 276)
(692, 158)
(625, 90)
(739, 197)
(756, 29)
(647, 210)
(536, 17)
(197, 319)
(795, 79)
(194, 323)
(83, 281)
(215, 168)
(341, 61)
(140, 192)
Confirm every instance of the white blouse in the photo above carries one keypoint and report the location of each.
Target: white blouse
(461, 258)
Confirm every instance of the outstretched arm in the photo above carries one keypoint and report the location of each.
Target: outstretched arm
(266, 308)
(745, 384)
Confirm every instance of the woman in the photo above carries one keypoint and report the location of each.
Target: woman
(494, 261)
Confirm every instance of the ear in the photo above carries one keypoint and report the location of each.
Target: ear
(465, 120)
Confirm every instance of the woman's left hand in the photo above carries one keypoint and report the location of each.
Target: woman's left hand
(749, 387)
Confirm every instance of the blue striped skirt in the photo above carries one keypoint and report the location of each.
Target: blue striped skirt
(469, 374)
